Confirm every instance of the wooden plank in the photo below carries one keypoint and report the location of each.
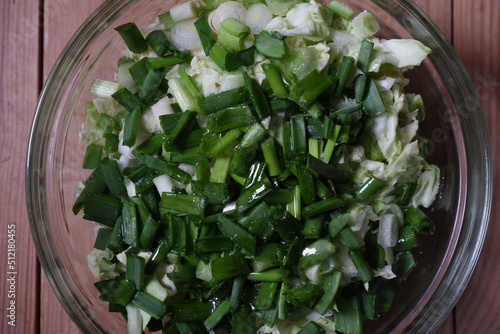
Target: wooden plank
(476, 31)
(448, 326)
(19, 83)
(440, 12)
(61, 20)
(68, 14)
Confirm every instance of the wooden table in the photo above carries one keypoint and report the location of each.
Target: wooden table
(33, 32)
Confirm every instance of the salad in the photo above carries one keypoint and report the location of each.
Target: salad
(256, 168)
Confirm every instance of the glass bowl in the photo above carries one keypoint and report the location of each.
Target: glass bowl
(454, 126)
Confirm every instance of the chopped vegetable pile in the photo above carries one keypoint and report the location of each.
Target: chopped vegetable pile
(256, 169)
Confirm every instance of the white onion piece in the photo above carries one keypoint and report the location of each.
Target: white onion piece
(188, 168)
(226, 10)
(258, 16)
(163, 183)
(129, 186)
(124, 78)
(183, 11)
(388, 230)
(184, 35)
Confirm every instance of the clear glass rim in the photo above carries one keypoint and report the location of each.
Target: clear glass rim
(471, 237)
(34, 178)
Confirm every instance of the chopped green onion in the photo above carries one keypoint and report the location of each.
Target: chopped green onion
(343, 73)
(313, 227)
(349, 238)
(337, 224)
(221, 168)
(348, 317)
(266, 295)
(218, 314)
(225, 142)
(237, 292)
(347, 115)
(102, 239)
(236, 59)
(270, 275)
(159, 42)
(330, 288)
(364, 55)
(311, 328)
(372, 103)
(183, 95)
(148, 233)
(158, 256)
(340, 9)
(214, 192)
(309, 88)
(275, 80)
(303, 294)
(271, 157)
(178, 135)
(322, 206)
(306, 184)
(298, 137)
(251, 195)
(104, 88)
(149, 304)
(407, 238)
(182, 203)
(132, 37)
(232, 118)
(408, 191)
(128, 100)
(237, 234)
(205, 33)
(163, 167)
(271, 45)
(191, 310)
(404, 262)
(183, 11)
(131, 127)
(113, 176)
(135, 270)
(167, 21)
(166, 61)
(101, 209)
(116, 243)
(152, 145)
(370, 188)
(419, 220)
(365, 273)
(253, 136)
(218, 53)
(259, 100)
(360, 87)
(232, 33)
(228, 266)
(223, 100)
(92, 157)
(316, 252)
(130, 227)
(177, 234)
(215, 244)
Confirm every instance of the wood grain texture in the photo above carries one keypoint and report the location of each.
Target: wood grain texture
(440, 12)
(476, 30)
(19, 86)
(61, 19)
